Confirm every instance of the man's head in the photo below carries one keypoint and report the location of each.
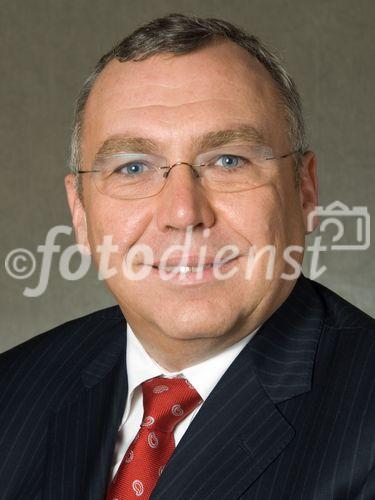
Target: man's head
(178, 87)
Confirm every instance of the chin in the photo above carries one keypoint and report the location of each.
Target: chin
(189, 325)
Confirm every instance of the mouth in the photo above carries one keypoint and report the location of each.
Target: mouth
(185, 269)
(193, 274)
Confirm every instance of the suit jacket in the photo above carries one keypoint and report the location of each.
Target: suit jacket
(292, 418)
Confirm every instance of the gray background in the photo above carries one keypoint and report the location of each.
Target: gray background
(48, 47)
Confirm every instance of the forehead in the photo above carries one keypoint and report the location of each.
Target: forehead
(169, 96)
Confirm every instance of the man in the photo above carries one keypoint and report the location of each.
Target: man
(212, 379)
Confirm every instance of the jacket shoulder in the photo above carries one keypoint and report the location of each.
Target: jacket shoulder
(58, 354)
(341, 314)
(346, 350)
(58, 335)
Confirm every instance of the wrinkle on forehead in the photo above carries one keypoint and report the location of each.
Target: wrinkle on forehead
(152, 96)
(169, 105)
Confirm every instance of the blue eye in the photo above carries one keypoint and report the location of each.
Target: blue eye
(229, 161)
(132, 168)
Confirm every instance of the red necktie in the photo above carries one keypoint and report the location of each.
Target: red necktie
(166, 401)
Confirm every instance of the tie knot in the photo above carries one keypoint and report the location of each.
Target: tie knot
(167, 401)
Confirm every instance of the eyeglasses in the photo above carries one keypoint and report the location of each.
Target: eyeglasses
(229, 169)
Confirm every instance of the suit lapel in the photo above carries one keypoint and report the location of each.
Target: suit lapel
(240, 429)
(234, 436)
(82, 431)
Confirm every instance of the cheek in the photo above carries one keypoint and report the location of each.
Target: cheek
(116, 221)
(257, 215)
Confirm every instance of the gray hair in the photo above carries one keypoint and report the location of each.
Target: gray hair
(180, 34)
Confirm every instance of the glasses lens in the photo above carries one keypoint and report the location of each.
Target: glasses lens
(130, 176)
(236, 168)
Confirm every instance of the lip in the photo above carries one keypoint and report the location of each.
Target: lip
(205, 275)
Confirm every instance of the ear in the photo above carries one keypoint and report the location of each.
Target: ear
(309, 191)
(78, 212)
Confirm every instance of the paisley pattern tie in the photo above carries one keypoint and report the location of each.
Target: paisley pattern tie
(166, 402)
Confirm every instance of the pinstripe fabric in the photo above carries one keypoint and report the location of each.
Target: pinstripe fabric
(293, 418)
(61, 400)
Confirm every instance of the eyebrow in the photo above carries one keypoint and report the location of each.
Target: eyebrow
(216, 139)
(124, 144)
(210, 140)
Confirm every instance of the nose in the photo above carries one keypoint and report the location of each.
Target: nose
(183, 201)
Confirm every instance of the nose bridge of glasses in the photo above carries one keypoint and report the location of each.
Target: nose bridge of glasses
(168, 169)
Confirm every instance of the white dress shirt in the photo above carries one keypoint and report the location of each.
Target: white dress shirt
(141, 367)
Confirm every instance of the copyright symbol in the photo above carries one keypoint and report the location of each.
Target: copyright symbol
(20, 263)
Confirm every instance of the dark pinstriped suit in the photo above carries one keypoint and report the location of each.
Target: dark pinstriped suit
(292, 418)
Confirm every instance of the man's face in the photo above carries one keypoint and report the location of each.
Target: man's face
(173, 101)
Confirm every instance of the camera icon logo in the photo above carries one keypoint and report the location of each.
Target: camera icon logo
(334, 214)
